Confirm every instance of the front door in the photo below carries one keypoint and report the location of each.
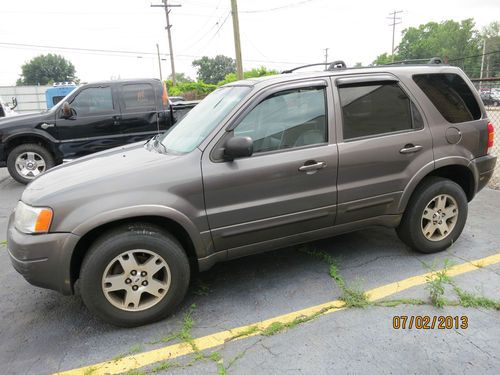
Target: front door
(288, 186)
(94, 125)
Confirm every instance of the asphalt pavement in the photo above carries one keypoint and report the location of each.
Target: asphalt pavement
(43, 332)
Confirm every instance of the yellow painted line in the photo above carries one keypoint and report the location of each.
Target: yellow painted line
(220, 338)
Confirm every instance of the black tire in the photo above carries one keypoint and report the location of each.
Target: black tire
(40, 151)
(112, 244)
(410, 229)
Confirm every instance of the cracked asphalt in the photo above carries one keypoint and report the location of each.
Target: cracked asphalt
(43, 332)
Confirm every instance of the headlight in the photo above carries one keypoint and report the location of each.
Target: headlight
(29, 219)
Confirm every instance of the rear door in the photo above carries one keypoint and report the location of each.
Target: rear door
(383, 142)
(288, 186)
(139, 112)
(95, 124)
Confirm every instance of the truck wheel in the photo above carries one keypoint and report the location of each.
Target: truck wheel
(25, 162)
(434, 217)
(134, 275)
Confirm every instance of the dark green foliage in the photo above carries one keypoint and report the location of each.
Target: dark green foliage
(213, 70)
(45, 69)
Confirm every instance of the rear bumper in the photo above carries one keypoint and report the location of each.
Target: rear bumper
(483, 167)
(43, 260)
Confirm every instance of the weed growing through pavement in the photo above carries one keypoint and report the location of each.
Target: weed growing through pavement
(436, 283)
(352, 296)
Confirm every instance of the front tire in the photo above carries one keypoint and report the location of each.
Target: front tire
(26, 162)
(134, 275)
(435, 216)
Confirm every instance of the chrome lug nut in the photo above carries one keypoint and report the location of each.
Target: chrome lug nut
(128, 281)
(144, 273)
(135, 287)
(145, 283)
(133, 273)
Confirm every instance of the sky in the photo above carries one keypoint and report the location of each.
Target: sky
(277, 34)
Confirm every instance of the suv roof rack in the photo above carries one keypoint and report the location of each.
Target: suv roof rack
(338, 64)
(431, 61)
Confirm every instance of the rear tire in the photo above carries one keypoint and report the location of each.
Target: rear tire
(28, 161)
(435, 216)
(134, 275)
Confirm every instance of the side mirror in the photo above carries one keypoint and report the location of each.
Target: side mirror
(238, 147)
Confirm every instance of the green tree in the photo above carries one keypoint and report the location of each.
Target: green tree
(384, 59)
(491, 40)
(180, 78)
(213, 70)
(44, 69)
(255, 72)
(451, 40)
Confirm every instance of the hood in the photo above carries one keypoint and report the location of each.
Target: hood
(108, 171)
(23, 119)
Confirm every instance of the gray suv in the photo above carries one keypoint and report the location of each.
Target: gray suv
(259, 164)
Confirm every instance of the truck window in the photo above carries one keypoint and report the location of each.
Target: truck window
(93, 100)
(450, 95)
(138, 96)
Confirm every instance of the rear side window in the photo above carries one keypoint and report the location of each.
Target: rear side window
(451, 96)
(138, 96)
(372, 109)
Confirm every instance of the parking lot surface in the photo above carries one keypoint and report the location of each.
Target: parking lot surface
(44, 332)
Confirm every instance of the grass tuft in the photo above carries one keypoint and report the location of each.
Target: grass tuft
(468, 299)
(250, 330)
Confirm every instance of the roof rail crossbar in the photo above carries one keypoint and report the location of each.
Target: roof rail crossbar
(433, 60)
(338, 64)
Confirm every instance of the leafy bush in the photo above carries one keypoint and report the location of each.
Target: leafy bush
(255, 72)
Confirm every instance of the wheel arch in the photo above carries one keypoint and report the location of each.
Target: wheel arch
(173, 227)
(454, 169)
(24, 138)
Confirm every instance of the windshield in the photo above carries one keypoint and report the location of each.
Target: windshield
(202, 119)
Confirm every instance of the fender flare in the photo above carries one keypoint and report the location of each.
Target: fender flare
(427, 169)
(144, 210)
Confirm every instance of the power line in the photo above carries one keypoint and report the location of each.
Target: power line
(276, 8)
(480, 55)
(125, 53)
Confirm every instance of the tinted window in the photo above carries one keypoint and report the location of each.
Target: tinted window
(451, 96)
(93, 100)
(291, 118)
(374, 109)
(138, 96)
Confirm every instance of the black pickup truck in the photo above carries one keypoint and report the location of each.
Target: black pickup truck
(94, 117)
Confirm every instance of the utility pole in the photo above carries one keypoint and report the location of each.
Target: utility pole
(165, 5)
(482, 64)
(159, 60)
(237, 44)
(395, 21)
(326, 58)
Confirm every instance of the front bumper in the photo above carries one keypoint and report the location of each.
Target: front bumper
(483, 167)
(44, 260)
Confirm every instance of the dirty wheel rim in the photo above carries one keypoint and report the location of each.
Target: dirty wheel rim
(439, 217)
(136, 280)
(30, 164)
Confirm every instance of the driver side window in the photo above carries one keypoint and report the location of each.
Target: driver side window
(93, 101)
(287, 119)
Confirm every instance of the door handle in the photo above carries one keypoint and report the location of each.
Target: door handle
(116, 120)
(312, 166)
(410, 148)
